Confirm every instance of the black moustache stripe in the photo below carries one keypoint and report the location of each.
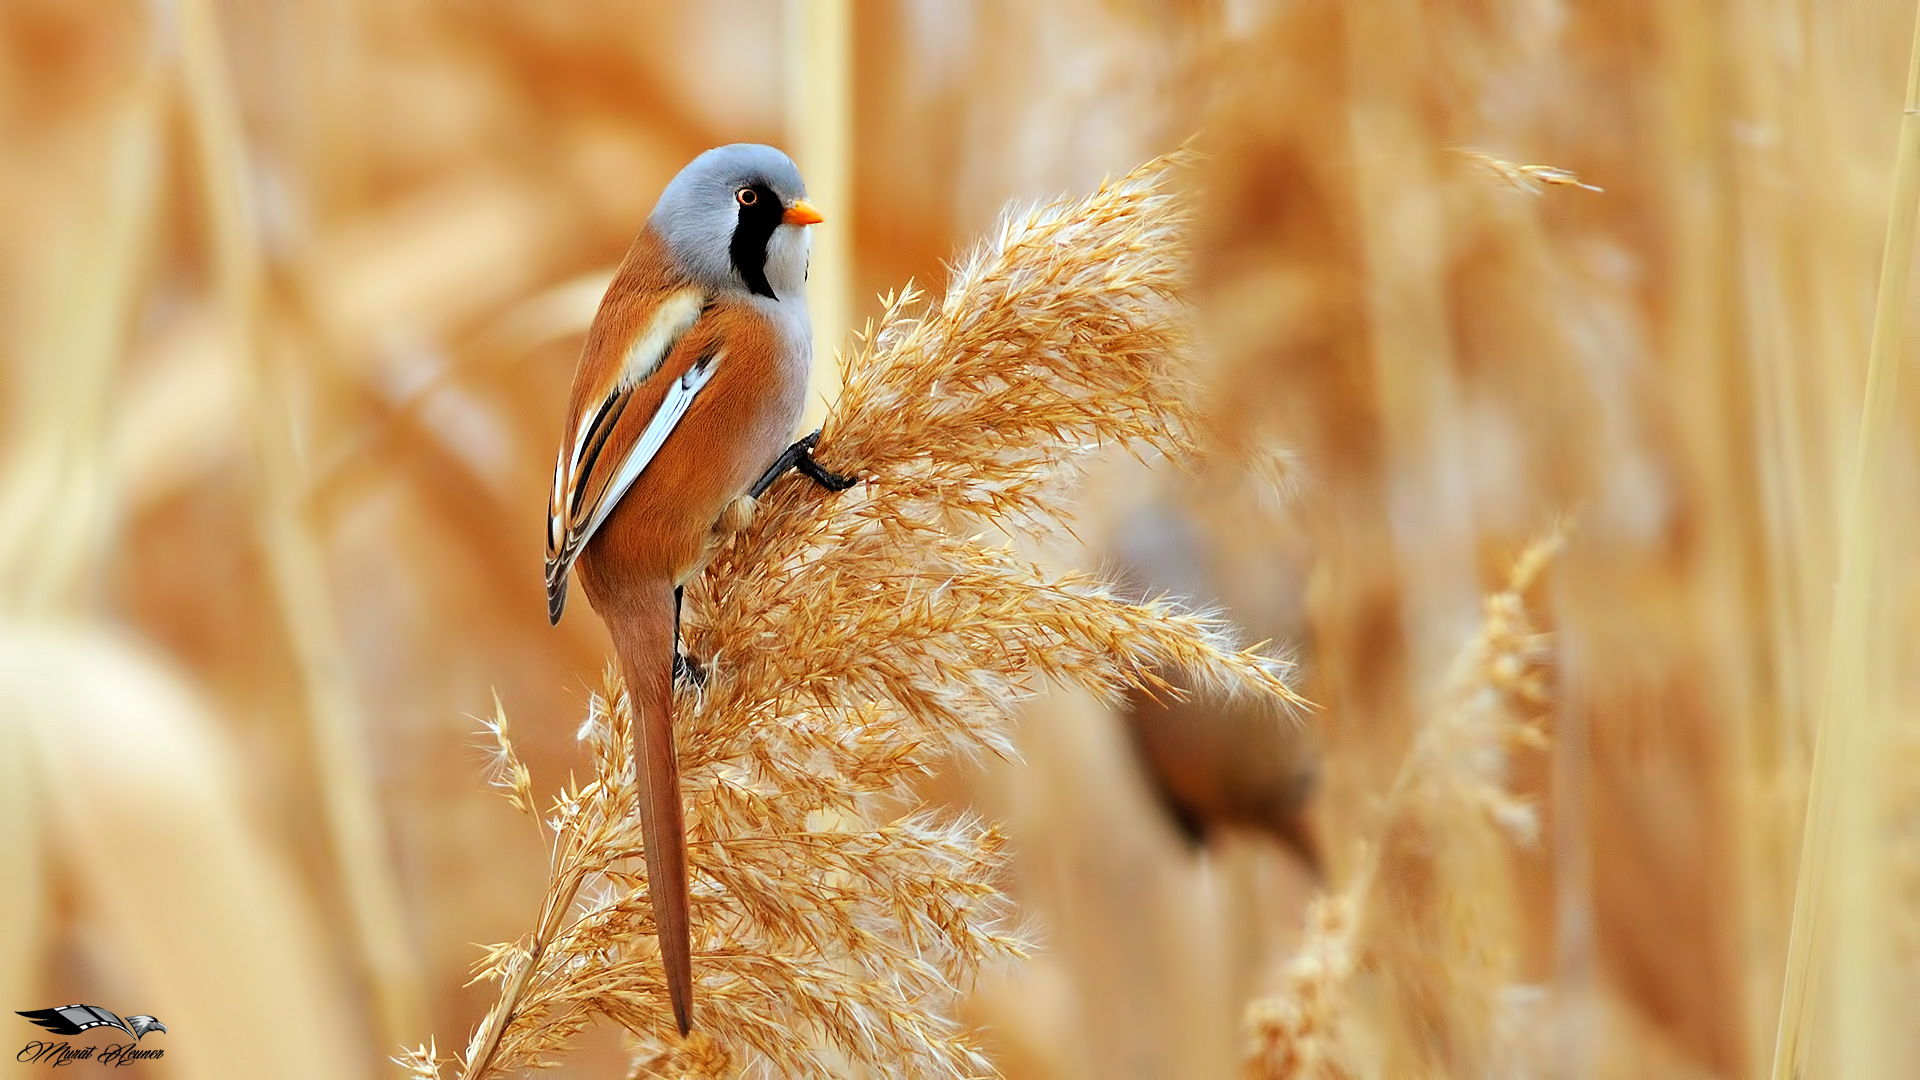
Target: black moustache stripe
(750, 237)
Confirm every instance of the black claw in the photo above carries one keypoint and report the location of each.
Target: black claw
(832, 481)
(800, 456)
(687, 669)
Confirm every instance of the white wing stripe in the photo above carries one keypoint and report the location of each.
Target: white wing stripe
(673, 406)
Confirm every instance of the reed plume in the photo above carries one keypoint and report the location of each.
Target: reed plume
(854, 642)
(1414, 916)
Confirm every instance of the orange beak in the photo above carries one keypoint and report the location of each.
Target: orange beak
(801, 213)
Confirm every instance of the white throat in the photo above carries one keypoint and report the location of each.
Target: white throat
(788, 250)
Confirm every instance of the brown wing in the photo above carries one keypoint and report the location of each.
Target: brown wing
(640, 370)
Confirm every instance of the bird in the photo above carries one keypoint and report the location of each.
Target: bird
(1215, 762)
(1219, 763)
(690, 384)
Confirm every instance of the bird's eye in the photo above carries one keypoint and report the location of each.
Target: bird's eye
(747, 196)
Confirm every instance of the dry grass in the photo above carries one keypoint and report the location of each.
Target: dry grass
(1532, 179)
(856, 643)
(1424, 921)
(1856, 728)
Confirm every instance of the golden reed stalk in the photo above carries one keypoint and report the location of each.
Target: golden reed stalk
(1843, 805)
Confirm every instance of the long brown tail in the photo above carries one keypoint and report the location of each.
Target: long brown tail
(644, 638)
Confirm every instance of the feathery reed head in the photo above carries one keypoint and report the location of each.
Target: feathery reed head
(1418, 915)
(854, 642)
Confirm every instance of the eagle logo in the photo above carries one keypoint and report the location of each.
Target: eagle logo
(74, 1019)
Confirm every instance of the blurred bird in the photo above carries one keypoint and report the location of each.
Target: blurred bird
(691, 381)
(1214, 762)
(1219, 763)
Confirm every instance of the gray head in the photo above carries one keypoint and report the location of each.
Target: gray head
(735, 220)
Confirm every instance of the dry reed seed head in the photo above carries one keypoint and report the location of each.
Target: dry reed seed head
(423, 1062)
(697, 1057)
(505, 770)
(1498, 682)
(1439, 955)
(1039, 352)
(1296, 1034)
(857, 641)
(1532, 179)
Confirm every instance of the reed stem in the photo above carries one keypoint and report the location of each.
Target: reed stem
(1844, 760)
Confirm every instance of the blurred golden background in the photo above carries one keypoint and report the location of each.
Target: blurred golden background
(290, 297)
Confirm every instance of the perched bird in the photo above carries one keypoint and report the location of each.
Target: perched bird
(1215, 762)
(1223, 763)
(690, 384)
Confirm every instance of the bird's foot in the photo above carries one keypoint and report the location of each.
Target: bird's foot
(812, 469)
(800, 456)
(687, 669)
